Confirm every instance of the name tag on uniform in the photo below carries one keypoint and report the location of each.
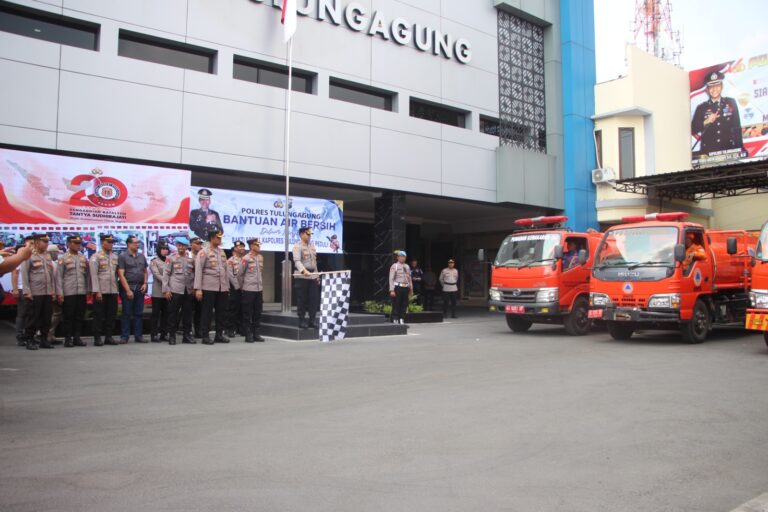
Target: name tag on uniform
(251, 267)
(37, 264)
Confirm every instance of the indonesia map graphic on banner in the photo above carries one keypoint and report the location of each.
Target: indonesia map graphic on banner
(40, 188)
(733, 125)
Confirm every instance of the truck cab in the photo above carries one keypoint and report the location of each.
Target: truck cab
(757, 317)
(537, 276)
(660, 272)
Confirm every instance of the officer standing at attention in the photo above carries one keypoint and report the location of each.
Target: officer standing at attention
(178, 286)
(159, 317)
(196, 245)
(306, 284)
(212, 287)
(74, 284)
(250, 277)
(400, 288)
(38, 275)
(53, 250)
(234, 309)
(417, 276)
(132, 273)
(449, 279)
(18, 293)
(104, 288)
(204, 220)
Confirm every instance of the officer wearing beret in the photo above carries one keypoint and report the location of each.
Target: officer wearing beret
(234, 308)
(74, 285)
(103, 267)
(38, 275)
(306, 281)
(251, 283)
(159, 317)
(212, 287)
(203, 219)
(195, 246)
(178, 286)
(717, 120)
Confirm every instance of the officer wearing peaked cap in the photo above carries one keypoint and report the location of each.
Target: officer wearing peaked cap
(38, 276)
(717, 120)
(178, 286)
(449, 280)
(204, 219)
(251, 283)
(103, 267)
(400, 287)
(74, 284)
(306, 281)
(234, 308)
(212, 287)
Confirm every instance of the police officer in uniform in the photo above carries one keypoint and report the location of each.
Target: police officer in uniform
(717, 119)
(159, 318)
(18, 293)
(234, 308)
(195, 246)
(74, 285)
(178, 286)
(400, 288)
(104, 288)
(204, 220)
(250, 278)
(38, 276)
(449, 280)
(306, 281)
(212, 287)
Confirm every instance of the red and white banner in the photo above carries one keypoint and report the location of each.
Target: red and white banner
(38, 188)
(288, 19)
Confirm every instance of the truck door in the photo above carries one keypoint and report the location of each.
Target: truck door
(575, 278)
(697, 270)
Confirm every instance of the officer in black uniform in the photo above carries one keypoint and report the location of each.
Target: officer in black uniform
(204, 220)
(716, 120)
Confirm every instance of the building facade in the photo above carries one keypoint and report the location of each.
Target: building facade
(438, 122)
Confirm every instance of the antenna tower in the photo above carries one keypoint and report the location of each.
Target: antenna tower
(652, 30)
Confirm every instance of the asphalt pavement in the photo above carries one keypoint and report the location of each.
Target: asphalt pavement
(460, 416)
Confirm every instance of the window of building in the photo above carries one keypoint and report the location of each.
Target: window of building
(164, 51)
(360, 94)
(489, 125)
(274, 75)
(54, 28)
(438, 113)
(599, 147)
(626, 153)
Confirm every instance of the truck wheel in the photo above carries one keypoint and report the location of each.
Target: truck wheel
(518, 324)
(697, 329)
(577, 323)
(620, 331)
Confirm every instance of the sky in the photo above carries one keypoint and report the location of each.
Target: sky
(712, 31)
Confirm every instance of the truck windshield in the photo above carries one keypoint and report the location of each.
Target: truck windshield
(531, 250)
(638, 247)
(762, 244)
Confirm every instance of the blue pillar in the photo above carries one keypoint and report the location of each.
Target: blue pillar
(577, 26)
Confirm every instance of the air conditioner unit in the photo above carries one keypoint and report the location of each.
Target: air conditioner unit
(603, 175)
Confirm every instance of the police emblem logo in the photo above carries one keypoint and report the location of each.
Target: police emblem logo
(713, 76)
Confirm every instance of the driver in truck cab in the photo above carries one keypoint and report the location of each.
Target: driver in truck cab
(571, 256)
(693, 251)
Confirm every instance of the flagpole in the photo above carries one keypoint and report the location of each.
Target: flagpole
(286, 305)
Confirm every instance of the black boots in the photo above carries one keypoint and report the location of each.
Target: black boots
(68, 342)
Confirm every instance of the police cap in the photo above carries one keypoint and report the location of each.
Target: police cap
(239, 243)
(306, 230)
(182, 240)
(715, 78)
(40, 237)
(214, 234)
(74, 239)
(401, 253)
(106, 238)
(204, 193)
(254, 241)
(451, 260)
(195, 240)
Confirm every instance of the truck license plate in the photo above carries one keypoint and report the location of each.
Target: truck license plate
(514, 309)
(595, 313)
(757, 320)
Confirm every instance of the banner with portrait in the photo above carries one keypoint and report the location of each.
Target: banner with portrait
(244, 215)
(729, 112)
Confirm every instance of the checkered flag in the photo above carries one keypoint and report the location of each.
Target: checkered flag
(334, 306)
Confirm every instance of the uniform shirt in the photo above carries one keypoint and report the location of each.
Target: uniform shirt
(250, 273)
(211, 270)
(134, 267)
(694, 252)
(305, 258)
(202, 221)
(417, 275)
(38, 275)
(399, 274)
(104, 272)
(449, 277)
(179, 274)
(72, 274)
(233, 270)
(722, 134)
(157, 267)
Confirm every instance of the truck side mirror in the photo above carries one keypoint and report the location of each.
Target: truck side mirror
(583, 256)
(558, 252)
(481, 255)
(680, 253)
(732, 246)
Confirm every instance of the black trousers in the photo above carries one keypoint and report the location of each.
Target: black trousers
(104, 314)
(39, 316)
(252, 306)
(197, 306)
(21, 316)
(429, 299)
(449, 298)
(159, 318)
(213, 301)
(235, 310)
(307, 297)
(400, 302)
(183, 303)
(72, 315)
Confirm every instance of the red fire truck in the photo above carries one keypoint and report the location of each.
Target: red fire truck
(757, 318)
(537, 276)
(659, 272)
